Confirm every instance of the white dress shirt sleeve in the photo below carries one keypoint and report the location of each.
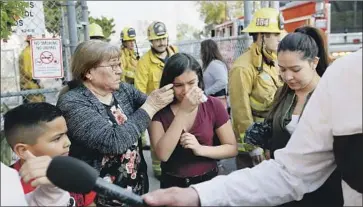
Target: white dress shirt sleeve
(308, 160)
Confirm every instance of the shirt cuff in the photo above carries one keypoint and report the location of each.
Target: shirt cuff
(205, 193)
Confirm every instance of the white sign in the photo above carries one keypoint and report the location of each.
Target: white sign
(47, 59)
(33, 22)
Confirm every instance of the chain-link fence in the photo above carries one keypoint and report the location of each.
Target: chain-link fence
(231, 47)
(43, 19)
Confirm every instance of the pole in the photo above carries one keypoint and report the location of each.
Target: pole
(72, 25)
(85, 19)
(65, 48)
(248, 16)
(275, 4)
(264, 4)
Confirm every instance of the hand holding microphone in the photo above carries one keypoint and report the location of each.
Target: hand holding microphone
(76, 176)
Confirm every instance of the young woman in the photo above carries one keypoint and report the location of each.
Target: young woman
(215, 71)
(189, 136)
(302, 59)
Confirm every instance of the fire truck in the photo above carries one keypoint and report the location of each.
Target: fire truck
(314, 13)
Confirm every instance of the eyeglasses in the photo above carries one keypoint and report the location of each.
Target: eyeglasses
(114, 67)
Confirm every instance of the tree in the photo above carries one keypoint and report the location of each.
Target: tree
(217, 12)
(52, 15)
(106, 24)
(187, 32)
(11, 11)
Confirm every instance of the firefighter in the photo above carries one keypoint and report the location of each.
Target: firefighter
(150, 68)
(253, 79)
(96, 32)
(26, 75)
(129, 57)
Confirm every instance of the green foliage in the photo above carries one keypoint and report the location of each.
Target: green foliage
(217, 12)
(11, 11)
(52, 15)
(187, 32)
(106, 24)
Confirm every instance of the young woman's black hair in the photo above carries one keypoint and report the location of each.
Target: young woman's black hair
(177, 65)
(310, 42)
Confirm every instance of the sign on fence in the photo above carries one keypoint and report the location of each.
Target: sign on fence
(46, 58)
(33, 22)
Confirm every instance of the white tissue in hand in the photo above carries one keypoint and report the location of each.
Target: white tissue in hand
(204, 98)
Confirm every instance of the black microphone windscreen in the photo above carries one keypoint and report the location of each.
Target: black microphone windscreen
(71, 174)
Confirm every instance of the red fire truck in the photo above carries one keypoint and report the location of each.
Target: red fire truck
(342, 39)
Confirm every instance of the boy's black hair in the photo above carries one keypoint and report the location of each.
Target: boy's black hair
(23, 124)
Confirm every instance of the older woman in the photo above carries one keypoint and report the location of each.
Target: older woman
(105, 118)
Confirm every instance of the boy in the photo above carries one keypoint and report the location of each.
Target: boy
(39, 129)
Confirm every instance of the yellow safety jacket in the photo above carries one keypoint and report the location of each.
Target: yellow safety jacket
(129, 63)
(26, 76)
(149, 71)
(251, 91)
(26, 70)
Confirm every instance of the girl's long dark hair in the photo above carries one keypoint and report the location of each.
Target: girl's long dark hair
(177, 65)
(209, 52)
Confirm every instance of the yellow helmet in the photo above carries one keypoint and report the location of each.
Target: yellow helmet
(157, 30)
(95, 30)
(128, 33)
(266, 20)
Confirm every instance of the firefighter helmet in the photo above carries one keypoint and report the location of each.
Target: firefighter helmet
(128, 33)
(157, 30)
(266, 20)
(95, 30)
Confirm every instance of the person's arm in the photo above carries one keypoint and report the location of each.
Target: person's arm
(220, 77)
(223, 129)
(87, 126)
(301, 167)
(141, 76)
(48, 195)
(138, 96)
(240, 88)
(163, 142)
(123, 64)
(12, 193)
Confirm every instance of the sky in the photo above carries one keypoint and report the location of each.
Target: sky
(127, 13)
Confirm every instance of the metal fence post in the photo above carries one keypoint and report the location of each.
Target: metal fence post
(248, 16)
(72, 25)
(264, 4)
(85, 19)
(275, 4)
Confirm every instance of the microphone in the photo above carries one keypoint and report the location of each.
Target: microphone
(76, 176)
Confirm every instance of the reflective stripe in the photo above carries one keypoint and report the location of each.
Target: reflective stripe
(241, 145)
(255, 105)
(258, 119)
(129, 74)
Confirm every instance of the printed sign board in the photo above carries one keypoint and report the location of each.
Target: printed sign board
(47, 59)
(33, 22)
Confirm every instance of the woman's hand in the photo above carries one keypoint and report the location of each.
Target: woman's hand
(189, 141)
(158, 99)
(191, 100)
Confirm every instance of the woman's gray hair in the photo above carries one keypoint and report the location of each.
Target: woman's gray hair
(88, 55)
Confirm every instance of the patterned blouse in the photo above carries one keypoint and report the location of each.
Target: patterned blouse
(122, 169)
